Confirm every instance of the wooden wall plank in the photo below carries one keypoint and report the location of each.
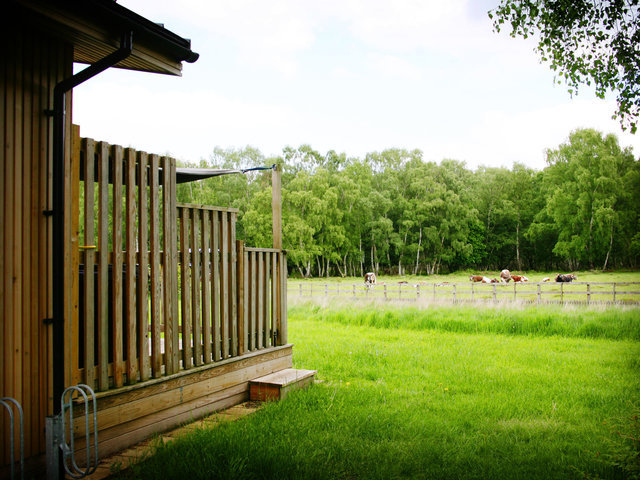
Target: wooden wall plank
(116, 300)
(131, 318)
(73, 209)
(156, 270)
(170, 364)
(143, 274)
(9, 225)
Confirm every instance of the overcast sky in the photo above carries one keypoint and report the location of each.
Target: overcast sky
(354, 76)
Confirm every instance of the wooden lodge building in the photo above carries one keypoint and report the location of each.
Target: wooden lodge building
(106, 280)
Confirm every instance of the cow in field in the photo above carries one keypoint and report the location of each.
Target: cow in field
(566, 278)
(546, 279)
(519, 278)
(505, 276)
(476, 278)
(486, 280)
(370, 279)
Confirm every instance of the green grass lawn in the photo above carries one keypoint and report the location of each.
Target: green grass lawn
(443, 393)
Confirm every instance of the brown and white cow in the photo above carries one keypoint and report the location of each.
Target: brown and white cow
(519, 278)
(505, 276)
(370, 278)
(476, 278)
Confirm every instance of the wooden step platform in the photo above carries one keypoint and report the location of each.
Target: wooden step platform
(276, 386)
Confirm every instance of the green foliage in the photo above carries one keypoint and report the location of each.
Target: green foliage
(585, 42)
(393, 212)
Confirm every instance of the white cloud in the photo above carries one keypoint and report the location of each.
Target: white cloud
(501, 138)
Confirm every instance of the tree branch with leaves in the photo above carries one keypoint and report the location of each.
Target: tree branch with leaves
(592, 42)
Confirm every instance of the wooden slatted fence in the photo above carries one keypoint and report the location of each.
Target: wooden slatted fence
(127, 267)
(575, 292)
(164, 287)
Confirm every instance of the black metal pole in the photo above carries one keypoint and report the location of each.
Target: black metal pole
(58, 266)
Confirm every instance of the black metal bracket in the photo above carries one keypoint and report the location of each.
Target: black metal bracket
(47, 213)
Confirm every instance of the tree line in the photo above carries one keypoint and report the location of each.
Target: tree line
(394, 212)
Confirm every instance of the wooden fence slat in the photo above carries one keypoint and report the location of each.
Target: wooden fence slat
(116, 300)
(171, 330)
(206, 291)
(240, 291)
(215, 285)
(131, 266)
(233, 285)
(261, 322)
(156, 271)
(224, 284)
(185, 296)
(196, 330)
(173, 256)
(103, 265)
(283, 299)
(253, 300)
(143, 288)
(275, 311)
(89, 262)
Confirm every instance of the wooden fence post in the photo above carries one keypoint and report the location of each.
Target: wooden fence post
(588, 293)
(539, 294)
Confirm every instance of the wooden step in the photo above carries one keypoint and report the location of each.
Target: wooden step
(276, 386)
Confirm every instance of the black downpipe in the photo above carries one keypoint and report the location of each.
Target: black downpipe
(58, 266)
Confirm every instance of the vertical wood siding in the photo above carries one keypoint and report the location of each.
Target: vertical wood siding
(30, 68)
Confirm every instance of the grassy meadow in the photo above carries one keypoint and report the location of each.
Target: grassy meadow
(439, 393)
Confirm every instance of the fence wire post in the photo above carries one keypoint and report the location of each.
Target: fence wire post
(6, 402)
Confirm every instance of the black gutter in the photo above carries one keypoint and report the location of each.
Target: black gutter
(58, 266)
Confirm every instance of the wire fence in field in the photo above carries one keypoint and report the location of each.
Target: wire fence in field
(626, 293)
